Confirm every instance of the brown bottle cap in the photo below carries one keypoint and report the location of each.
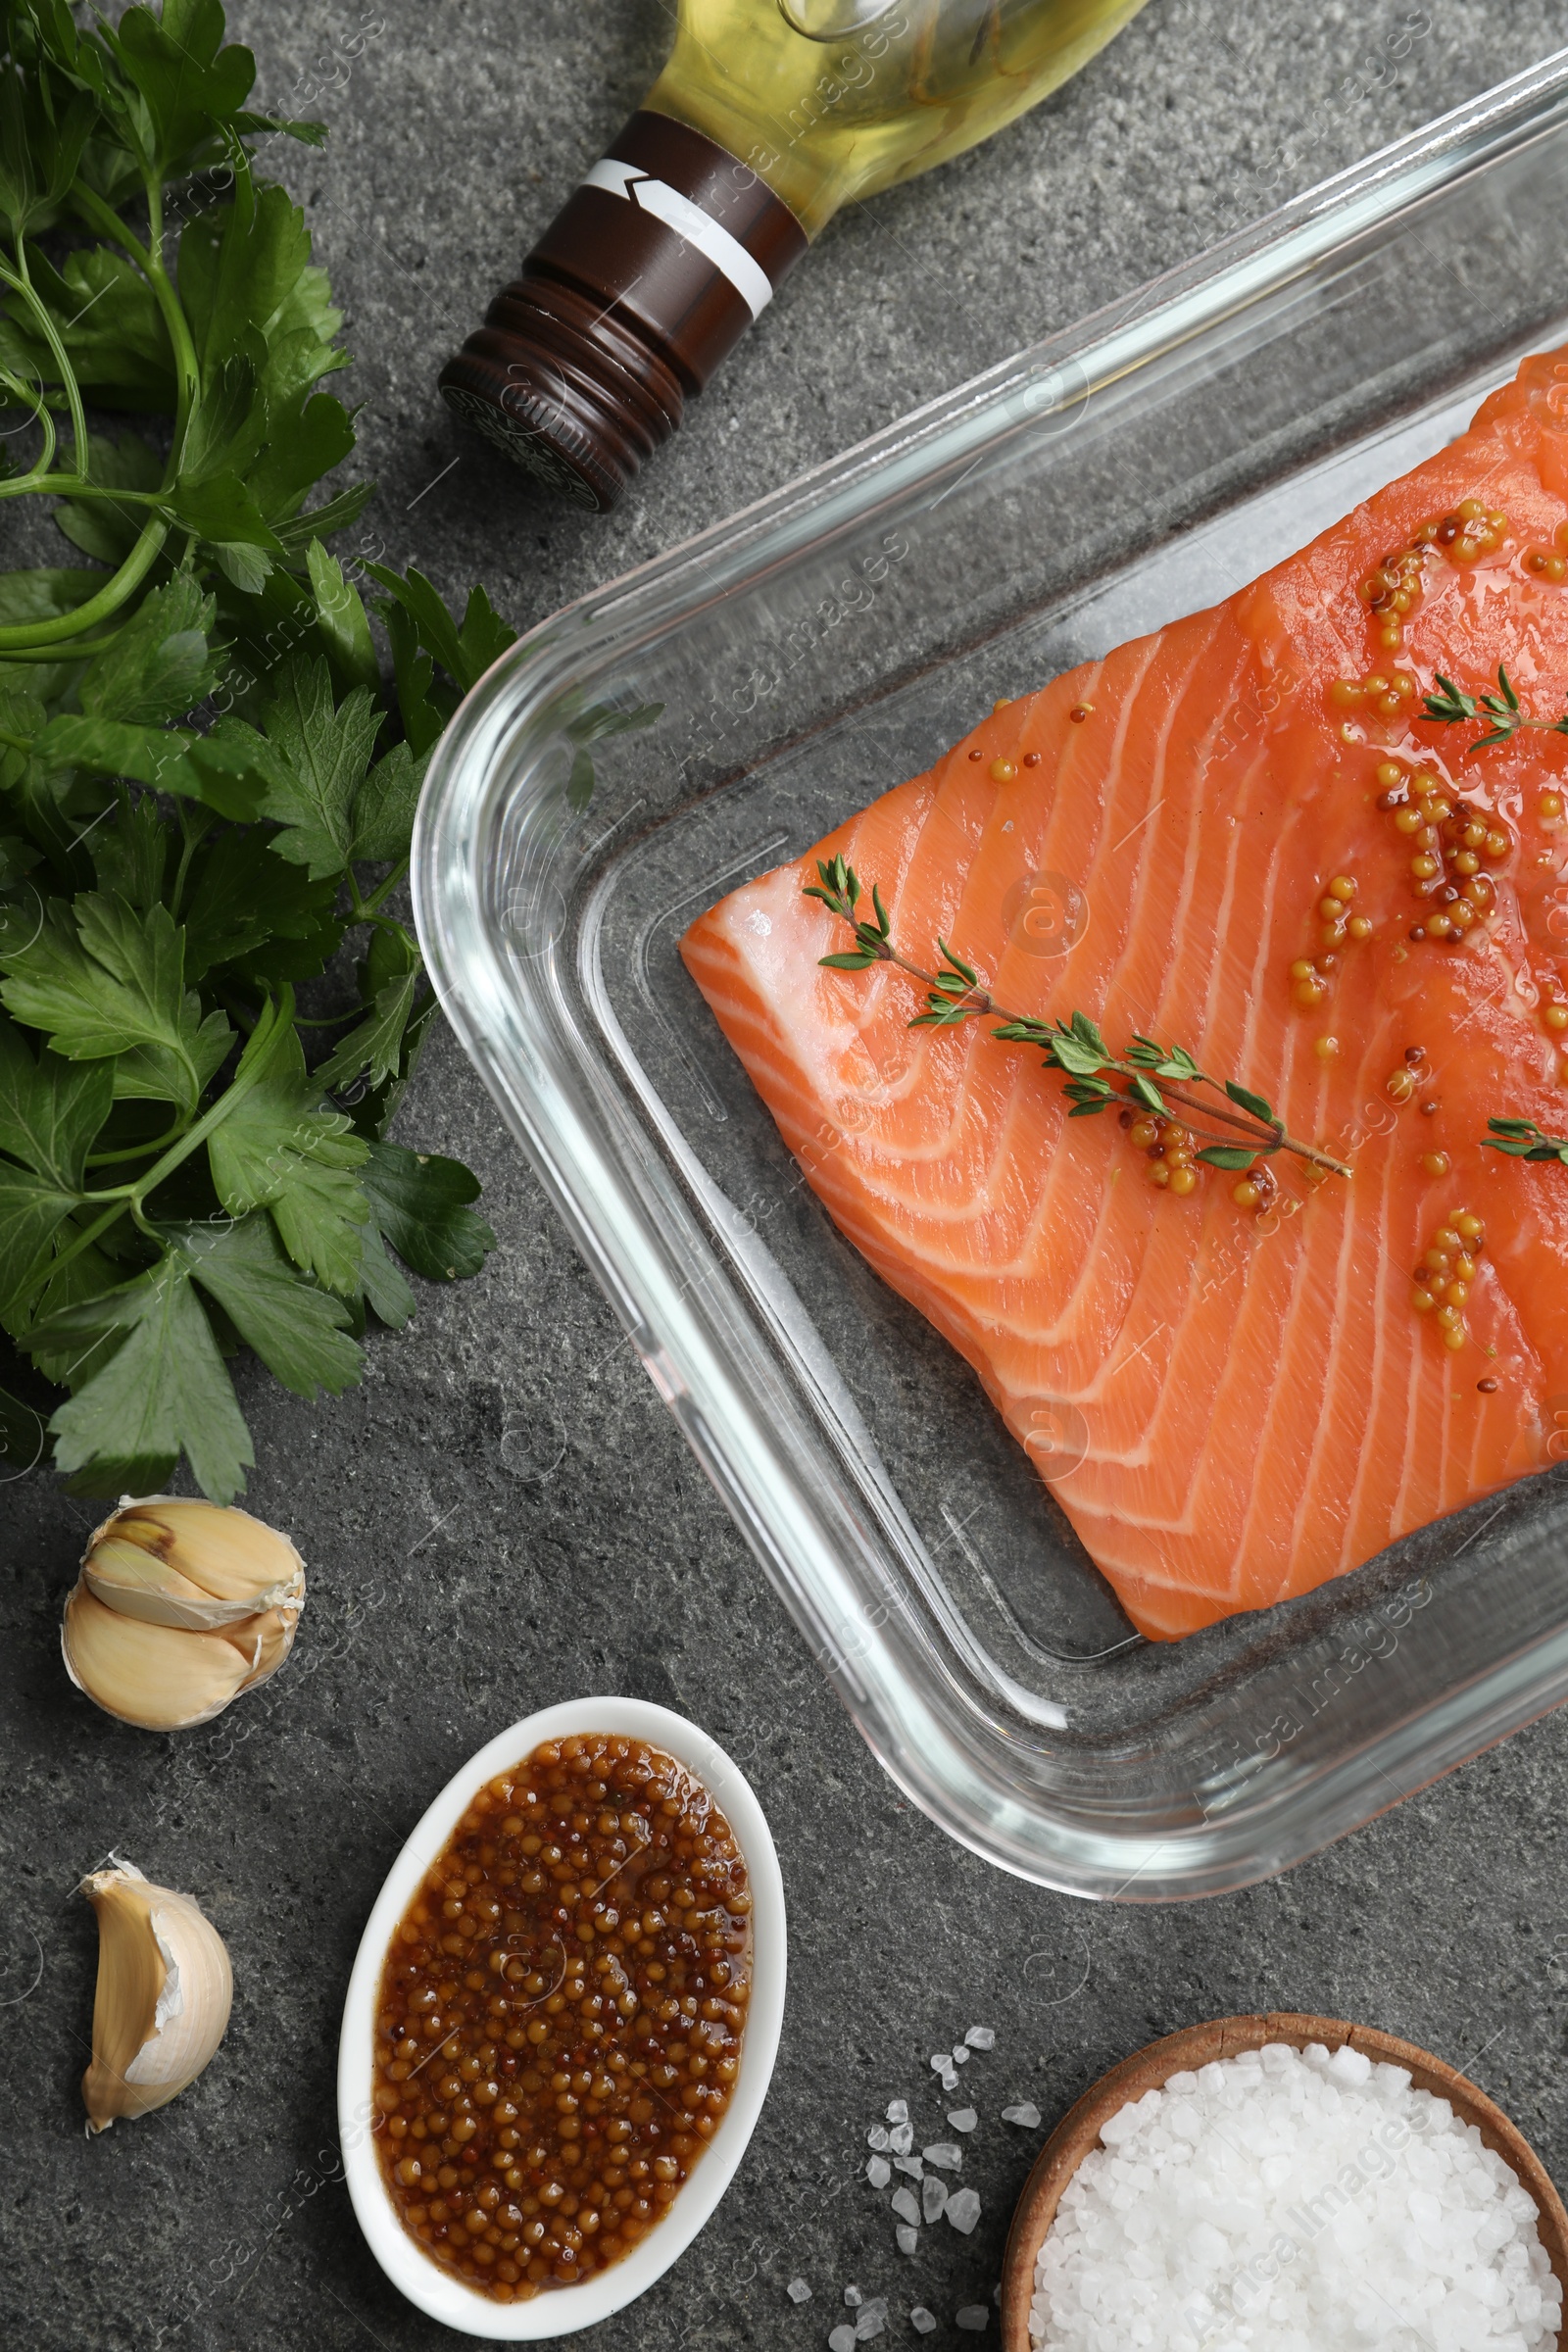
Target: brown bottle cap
(639, 287)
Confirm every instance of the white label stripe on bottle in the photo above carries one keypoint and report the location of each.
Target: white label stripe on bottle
(727, 254)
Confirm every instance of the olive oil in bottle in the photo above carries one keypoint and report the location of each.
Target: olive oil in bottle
(769, 114)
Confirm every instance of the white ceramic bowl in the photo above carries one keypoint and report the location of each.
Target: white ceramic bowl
(562, 2309)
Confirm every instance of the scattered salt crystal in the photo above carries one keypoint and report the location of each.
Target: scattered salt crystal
(964, 2210)
(945, 2152)
(878, 2171)
(933, 2196)
(873, 2320)
(1023, 2112)
(877, 2136)
(906, 2237)
(854, 2297)
(1293, 2197)
(921, 2320)
(972, 2317)
(980, 2038)
(842, 2338)
(950, 2079)
(905, 2206)
(941, 2063)
(898, 2111)
(910, 2166)
(961, 2054)
(900, 2139)
(798, 2291)
(962, 2119)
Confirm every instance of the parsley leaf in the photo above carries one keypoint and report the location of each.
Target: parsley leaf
(384, 807)
(32, 1208)
(465, 649)
(241, 899)
(345, 624)
(205, 789)
(420, 1201)
(278, 1150)
(326, 750)
(385, 1287)
(391, 976)
(163, 1391)
(100, 979)
(50, 1109)
(299, 1332)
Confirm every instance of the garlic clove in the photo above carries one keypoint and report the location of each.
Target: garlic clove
(157, 1676)
(165, 1990)
(263, 1641)
(239, 1563)
(180, 1607)
(139, 1584)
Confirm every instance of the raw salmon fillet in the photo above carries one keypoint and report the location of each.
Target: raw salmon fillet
(1232, 1407)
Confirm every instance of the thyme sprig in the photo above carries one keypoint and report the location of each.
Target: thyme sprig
(1152, 1076)
(1450, 706)
(1522, 1138)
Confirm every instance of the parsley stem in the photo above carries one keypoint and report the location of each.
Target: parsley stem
(194, 828)
(157, 1142)
(149, 260)
(383, 891)
(276, 1017)
(149, 546)
(83, 1240)
(187, 369)
(20, 281)
(41, 414)
(72, 485)
(23, 635)
(77, 649)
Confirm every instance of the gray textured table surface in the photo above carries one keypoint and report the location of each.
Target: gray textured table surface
(449, 1595)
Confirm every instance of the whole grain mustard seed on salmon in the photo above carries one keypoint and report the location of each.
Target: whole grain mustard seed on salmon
(1310, 847)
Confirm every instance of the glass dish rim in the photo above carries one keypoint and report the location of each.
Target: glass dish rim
(598, 1194)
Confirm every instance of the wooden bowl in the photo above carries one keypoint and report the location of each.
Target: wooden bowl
(1151, 2068)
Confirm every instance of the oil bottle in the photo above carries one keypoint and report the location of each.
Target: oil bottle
(768, 116)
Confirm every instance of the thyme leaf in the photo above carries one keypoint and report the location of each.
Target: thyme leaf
(1522, 1138)
(1153, 1075)
(1450, 706)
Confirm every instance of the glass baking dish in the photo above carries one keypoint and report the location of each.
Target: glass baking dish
(805, 656)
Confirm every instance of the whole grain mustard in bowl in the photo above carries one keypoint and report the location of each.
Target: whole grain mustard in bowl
(562, 2020)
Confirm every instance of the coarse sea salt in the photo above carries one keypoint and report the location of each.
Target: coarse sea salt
(1293, 2201)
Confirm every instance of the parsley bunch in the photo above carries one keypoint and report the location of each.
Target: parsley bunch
(206, 796)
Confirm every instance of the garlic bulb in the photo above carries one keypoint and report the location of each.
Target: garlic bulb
(164, 1993)
(180, 1607)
